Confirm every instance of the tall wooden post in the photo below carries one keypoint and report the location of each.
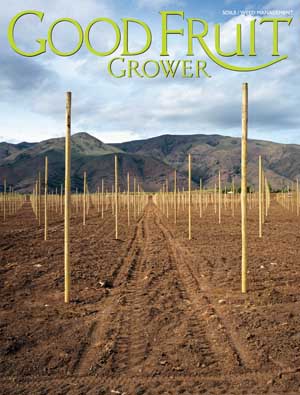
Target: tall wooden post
(102, 199)
(244, 186)
(139, 199)
(200, 199)
(175, 197)
(67, 196)
(98, 200)
(46, 199)
(167, 197)
(297, 197)
(61, 198)
(39, 198)
(263, 194)
(232, 196)
(260, 195)
(84, 198)
(116, 196)
(163, 198)
(220, 197)
(215, 198)
(190, 197)
(134, 197)
(128, 199)
(56, 201)
(4, 200)
(36, 199)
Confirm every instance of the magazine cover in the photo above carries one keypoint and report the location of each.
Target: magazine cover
(149, 197)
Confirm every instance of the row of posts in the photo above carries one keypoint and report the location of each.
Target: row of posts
(264, 196)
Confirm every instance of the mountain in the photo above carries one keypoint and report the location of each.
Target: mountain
(150, 160)
(20, 166)
(211, 153)
(7, 149)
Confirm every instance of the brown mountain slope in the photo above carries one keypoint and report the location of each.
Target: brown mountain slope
(151, 161)
(20, 168)
(7, 149)
(212, 153)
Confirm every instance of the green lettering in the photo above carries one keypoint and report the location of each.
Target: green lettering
(214, 58)
(133, 65)
(169, 70)
(123, 72)
(200, 67)
(276, 22)
(166, 32)
(88, 42)
(50, 38)
(252, 38)
(186, 65)
(126, 40)
(11, 37)
(238, 51)
(157, 68)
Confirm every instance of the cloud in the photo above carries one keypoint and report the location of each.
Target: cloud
(286, 5)
(115, 136)
(33, 90)
(158, 4)
(23, 75)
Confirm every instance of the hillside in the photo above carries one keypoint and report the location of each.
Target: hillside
(213, 152)
(21, 166)
(150, 160)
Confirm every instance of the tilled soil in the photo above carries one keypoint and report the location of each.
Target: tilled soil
(151, 313)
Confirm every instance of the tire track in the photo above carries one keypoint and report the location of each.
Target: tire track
(99, 345)
(132, 343)
(130, 348)
(137, 342)
(225, 339)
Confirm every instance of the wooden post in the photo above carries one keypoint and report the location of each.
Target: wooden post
(163, 198)
(77, 201)
(200, 197)
(220, 197)
(244, 186)
(167, 196)
(98, 200)
(46, 199)
(267, 197)
(84, 198)
(36, 199)
(215, 198)
(232, 196)
(297, 197)
(56, 201)
(39, 198)
(134, 197)
(4, 200)
(260, 195)
(116, 196)
(61, 198)
(175, 197)
(102, 199)
(128, 199)
(67, 196)
(190, 197)
(139, 200)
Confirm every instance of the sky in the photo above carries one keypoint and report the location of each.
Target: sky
(32, 90)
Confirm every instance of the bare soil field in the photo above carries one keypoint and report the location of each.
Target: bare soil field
(151, 313)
